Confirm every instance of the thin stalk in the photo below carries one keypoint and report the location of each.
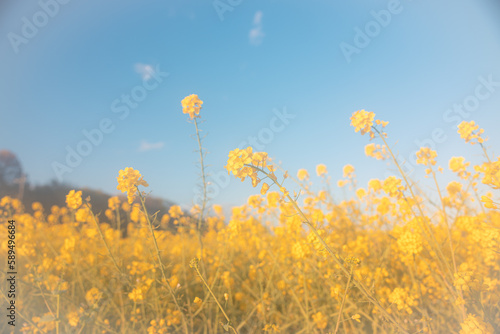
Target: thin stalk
(57, 312)
(194, 265)
(446, 222)
(203, 177)
(343, 301)
(143, 202)
(104, 240)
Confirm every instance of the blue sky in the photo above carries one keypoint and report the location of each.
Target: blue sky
(67, 67)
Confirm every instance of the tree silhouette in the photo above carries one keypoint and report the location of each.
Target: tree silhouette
(11, 175)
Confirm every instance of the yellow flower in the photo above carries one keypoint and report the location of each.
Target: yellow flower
(426, 156)
(218, 210)
(453, 188)
(113, 203)
(352, 261)
(467, 132)
(273, 328)
(197, 301)
(194, 263)
(392, 186)
(244, 163)
(410, 243)
(491, 173)
(457, 165)
(362, 121)
(302, 174)
(402, 299)
(136, 295)
(375, 184)
(348, 171)
(321, 170)
(370, 150)
(361, 192)
(475, 325)
(320, 320)
(356, 317)
(383, 123)
(272, 199)
(255, 201)
(265, 188)
(488, 202)
(74, 199)
(73, 318)
(37, 206)
(128, 181)
(83, 215)
(92, 296)
(175, 211)
(191, 105)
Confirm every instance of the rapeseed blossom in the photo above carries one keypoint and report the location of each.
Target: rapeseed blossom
(192, 105)
(128, 181)
(74, 199)
(470, 132)
(321, 170)
(363, 120)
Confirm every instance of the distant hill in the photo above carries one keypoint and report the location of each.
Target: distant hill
(55, 193)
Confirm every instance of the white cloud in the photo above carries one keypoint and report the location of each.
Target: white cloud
(145, 70)
(147, 146)
(256, 34)
(257, 19)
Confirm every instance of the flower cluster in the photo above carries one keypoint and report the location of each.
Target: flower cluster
(491, 173)
(459, 166)
(465, 281)
(426, 156)
(392, 186)
(403, 299)
(362, 121)
(475, 325)
(470, 132)
(192, 105)
(302, 174)
(74, 199)
(321, 170)
(377, 151)
(410, 242)
(245, 163)
(128, 181)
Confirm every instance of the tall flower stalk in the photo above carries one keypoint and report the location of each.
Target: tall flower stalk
(129, 181)
(191, 105)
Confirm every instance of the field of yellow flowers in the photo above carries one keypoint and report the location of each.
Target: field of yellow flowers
(290, 260)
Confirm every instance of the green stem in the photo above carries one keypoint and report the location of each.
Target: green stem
(104, 240)
(213, 296)
(343, 301)
(204, 203)
(143, 202)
